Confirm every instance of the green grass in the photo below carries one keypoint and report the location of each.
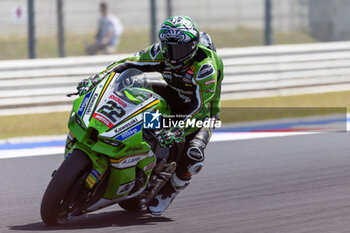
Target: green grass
(285, 106)
(332, 99)
(232, 111)
(34, 124)
(15, 47)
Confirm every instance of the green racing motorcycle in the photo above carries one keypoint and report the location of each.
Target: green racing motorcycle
(107, 159)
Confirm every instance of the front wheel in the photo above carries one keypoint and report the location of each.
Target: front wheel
(61, 199)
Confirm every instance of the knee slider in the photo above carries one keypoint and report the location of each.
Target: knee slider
(195, 168)
(195, 153)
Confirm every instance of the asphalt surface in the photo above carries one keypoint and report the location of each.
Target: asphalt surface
(273, 185)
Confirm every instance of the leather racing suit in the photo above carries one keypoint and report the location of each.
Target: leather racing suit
(193, 92)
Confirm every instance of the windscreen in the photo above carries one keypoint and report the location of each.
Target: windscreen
(130, 84)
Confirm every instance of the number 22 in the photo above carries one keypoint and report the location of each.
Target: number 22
(112, 111)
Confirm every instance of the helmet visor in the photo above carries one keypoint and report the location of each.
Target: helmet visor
(175, 51)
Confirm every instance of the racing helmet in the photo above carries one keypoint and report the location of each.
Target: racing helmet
(179, 38)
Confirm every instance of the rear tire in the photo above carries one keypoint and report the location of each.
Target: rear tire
(70, 175)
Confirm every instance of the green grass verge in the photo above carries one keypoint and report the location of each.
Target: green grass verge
(34, 124)
(15, 47)
(232, 111)
(286, 106)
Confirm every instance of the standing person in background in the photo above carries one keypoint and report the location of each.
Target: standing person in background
(109, 32)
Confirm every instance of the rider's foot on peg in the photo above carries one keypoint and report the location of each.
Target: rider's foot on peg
(166, 195)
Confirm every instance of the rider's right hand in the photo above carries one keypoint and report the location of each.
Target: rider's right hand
(166, 138)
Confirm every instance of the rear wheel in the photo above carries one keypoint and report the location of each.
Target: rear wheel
(62, 198)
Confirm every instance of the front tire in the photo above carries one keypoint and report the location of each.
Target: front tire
(57, 206)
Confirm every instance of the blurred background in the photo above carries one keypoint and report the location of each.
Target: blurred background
(231, 23)
(276, 54)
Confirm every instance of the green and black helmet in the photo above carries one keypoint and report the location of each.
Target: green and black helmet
(179, 38)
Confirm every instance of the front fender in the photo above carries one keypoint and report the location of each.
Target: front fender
(100, 164)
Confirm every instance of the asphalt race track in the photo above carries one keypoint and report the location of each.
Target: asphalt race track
(271, 185)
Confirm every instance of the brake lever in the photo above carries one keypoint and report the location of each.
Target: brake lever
(71, 94)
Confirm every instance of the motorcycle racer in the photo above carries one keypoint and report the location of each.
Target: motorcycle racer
(193, 73)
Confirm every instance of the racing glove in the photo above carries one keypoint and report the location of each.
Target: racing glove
(167, 138)
(87, 84)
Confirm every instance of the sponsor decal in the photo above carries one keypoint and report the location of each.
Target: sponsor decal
(167, 76)
(119, 101)
(129, 133)
(181, 90)
(91, 181)
(133, 149)
(131, 160)
(128, 124)
(155, 49)
(128, 161)
(205, 71)
(95, 174)
(83, 104)
(125, 188)
(190, 72)
(188, 78)
(149, 166)
(167, 72)
(102, 119)
(209, 91)
(177, 75)
(92, 102)
(184, 98)
(210, 82)
(152, 120)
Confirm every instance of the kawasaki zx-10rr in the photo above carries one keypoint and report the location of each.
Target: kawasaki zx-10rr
(107, 159)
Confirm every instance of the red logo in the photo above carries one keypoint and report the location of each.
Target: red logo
(190, 72)
(210, 82)
(149, 166)
(103, 119)
(119, 101)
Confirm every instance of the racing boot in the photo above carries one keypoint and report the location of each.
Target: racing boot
(167, 194)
